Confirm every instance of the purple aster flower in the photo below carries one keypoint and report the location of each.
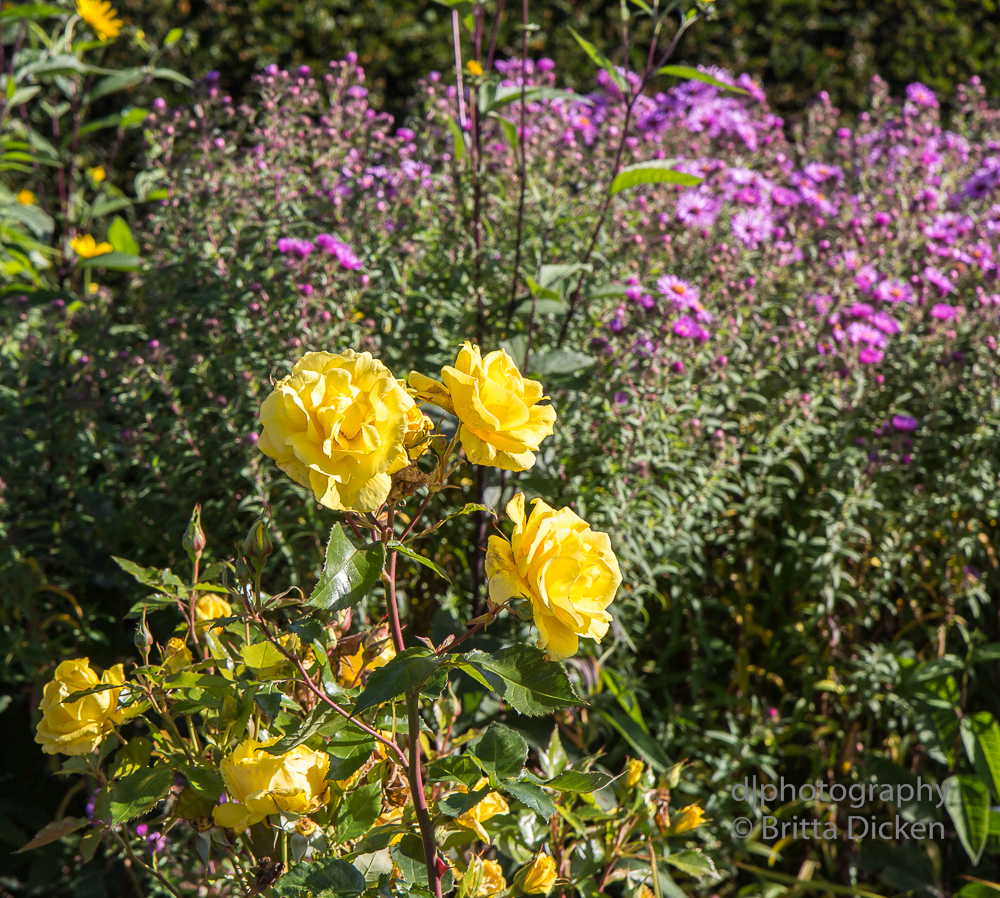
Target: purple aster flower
(862, 332)
(697, 209)
(944, 312)
(818, 200)
(861, 310)
(982, 255)
(904, 423)
(688, 327)
(782, 196)
(682, 293)
(921, 94)
(865, 278)
(981, 184)
(753, 227)
(295, 246)
(894, 291)
(818, 172)
(885, 323)
(851, 260)
(870, 356)
(938, 279)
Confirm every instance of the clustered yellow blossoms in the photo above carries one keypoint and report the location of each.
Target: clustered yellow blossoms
(342, 425)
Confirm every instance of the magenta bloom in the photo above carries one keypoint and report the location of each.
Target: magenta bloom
(870, 356)
(753, 227)
(921, 94)
(865, 279)
(885, 323)
(818, 172)
(344, 254)
(938, 279)
(683, 293)
(697, 209)
(299, 248)
(894, 291)
(861, 310)
(688, 327)
(904, 423)
(944, 312)
(862, 332)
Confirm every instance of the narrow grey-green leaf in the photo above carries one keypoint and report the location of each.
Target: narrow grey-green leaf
(655, 171)
(348, 573)
(417, 557)
(692, 74)
(598, 57)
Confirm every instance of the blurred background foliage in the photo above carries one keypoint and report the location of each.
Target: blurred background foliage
(795, 47)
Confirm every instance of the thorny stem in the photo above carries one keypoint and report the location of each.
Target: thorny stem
(417, 792)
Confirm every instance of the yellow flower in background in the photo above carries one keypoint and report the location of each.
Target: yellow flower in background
(337, 424)
(77, 728)
(98, 173)
(473, 67)
(634, 770)
(687, 819)
(350, 667)
(100, 16)
(394, 816)
(176, 655)
(92, 288)
(540, 877)
(260, 784)
(210, 607)
(502, 423)
(86, 247)
(491, 805)
(492, 881)
(566, 570)
(418, 427)
(26, 198)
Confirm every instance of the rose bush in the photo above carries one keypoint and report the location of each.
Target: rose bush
(77, 727)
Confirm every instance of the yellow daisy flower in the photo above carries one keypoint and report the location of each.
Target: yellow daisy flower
(100, 16)
(26, 198)
(98, 173)
(473, 67)
(86, 247)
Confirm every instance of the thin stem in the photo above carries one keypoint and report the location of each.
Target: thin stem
(417, 793)
(493, 36)
(135, 860)
(460, 87)
(522, 172)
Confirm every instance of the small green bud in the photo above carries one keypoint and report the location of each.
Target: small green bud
(194, 541)
(257, 546)
(143, 639)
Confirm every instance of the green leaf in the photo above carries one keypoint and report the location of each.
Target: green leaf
(554, 760)
(116, 82)
(263, 658)
(552, 274)
(509, 131)
(53, 832)
(319, 717)
(693, 863)
(655, 171)
(31, 11)
(112, 261)
(531, 795)
(132, 757)
(269, 703)
(525, 680)
(460, 769)
(409, 857)
(686, 71)
(511, 93)
(171, 75)
(139, 792)
(578, 781)
(348, 573)
(322, 878)
(105, 205)
(204, 781)
(968, 804)
(598, 57)
(120, 237)
(173, 35)
(358, 812)
(458, 138)
(560, 361)
(502, 751)
(458, 803)
(410, 669)
(420, 559)
(639, 739)
(981, 736)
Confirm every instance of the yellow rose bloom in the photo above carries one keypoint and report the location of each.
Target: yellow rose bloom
(502, 423)
(418, 427)
(77, 728)
(540, 876)
(634, 770)
(260, 784)
(567, 571)
(176, 655)
(210, 607)
(492, 881)
(350, 667)
(687, 819)
(26, 198)
(86, 247)
(491, 805)
(99, 15)
(337, 424)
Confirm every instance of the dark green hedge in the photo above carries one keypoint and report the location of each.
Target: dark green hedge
(797, 47)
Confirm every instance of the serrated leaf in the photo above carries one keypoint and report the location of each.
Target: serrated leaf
(981, 736)
(692, 862)
(531, 795)
(458, 803)
(502, 751)
(579, 781)
(322, 878)
(53, 832)
(358, 812)
(460, 769)
(139, 792)
(409, 857)
(410, 669)
(349, 574)
(655, 171)
(525, 680)
(415, 556)
(319, 717)
(968, 804)
(263, 658)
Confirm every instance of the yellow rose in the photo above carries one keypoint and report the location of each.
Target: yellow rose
(210, 607)
(502, 423)
(634, 770)
(539, 878)
(393, 816)
(418, 427)
(350, 667)
(491, 805)
(492, 881)
(337, 424)
(176, 655)
(77, 728)
(260, 784)
(567, 571)
(687, 819)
